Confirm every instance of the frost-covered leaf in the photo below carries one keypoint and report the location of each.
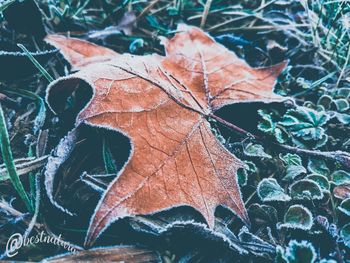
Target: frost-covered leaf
(322, 221)
(296, 252)
(300, 252)
(294, 166)
(269, 126)
(342, 191)
(345, 235)
(280, 255)
(325, 101)
(342, 105)
(342, 117)
(345, 206)
(56, 159)
(242, 174)
(263, 214)
(318, 166)
(256, 150)
(269, 190)
(256, 246)
(305, 125)
(291, 159)
(136, 45)
(182, 223)
(293, 171)
(305, 189)
(340, 177)
(242, 177)
(343, 92)
(162, 104)
(297, 217)
(321, 180)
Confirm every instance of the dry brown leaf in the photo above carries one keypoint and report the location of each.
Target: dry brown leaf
(109, 254)
(79, 52)
(342, 191)
(162, 104)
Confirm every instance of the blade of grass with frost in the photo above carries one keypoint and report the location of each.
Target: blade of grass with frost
(40, 118)
(23, 166)
(32, 180)
(36, 63)
(108, 160)
(6, 4)
(315, 84)
(8, 160)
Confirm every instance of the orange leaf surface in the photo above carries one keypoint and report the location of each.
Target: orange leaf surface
(162, 105)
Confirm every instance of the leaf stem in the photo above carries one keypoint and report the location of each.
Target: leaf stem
(338, 156)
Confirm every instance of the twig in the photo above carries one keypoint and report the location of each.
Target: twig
(205, 13)
(12, 211)
(147, 8)
(339, 156)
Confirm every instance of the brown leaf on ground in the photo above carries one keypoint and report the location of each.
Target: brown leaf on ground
(80, 52)
(162, 104)
(109, 254)
(342, 191)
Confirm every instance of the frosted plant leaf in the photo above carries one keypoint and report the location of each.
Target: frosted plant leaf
(300, 252)
(321, 180)
(345, 206)
(318, 166)
(306, 126)
(264, 213)
(294, 166)
(254, 244)
(56, 159)
(345, 235)
(340, 177)
(269, 190)
(256, 150)
(297, 217)
(305, 189)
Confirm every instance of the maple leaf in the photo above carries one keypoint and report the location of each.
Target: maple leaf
(162, 105)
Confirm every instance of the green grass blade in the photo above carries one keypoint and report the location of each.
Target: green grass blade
(8, 160)
(108, 160)
(32, 180)
(36, 63)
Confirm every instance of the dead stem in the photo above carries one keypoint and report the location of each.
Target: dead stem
(205, 13)
(338, 156)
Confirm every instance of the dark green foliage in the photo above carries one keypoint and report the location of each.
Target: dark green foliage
(297, 252)
(345, 206)
(297, 217)
(270, 190)
(345, 235)
(305, 189)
